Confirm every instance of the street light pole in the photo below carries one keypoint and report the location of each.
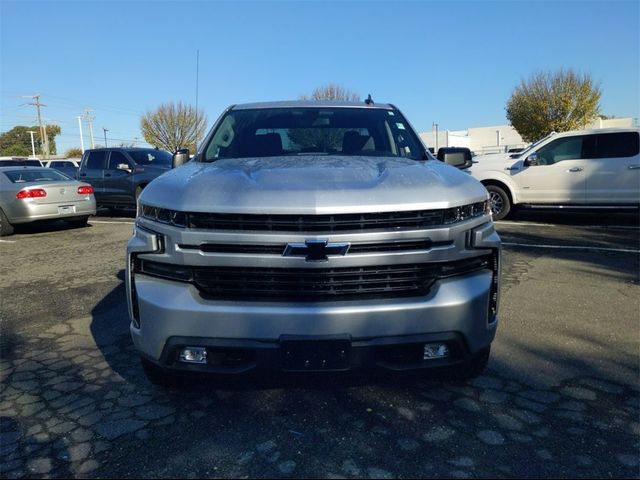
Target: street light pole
(105, 136)
(33, 145)
(81, 140)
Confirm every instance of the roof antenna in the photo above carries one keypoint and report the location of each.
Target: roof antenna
(369, 100)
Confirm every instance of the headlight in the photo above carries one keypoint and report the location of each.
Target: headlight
(163, 215)
(465, 212)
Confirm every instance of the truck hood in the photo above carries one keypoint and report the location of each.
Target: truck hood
(312, 185)
(494, 158)
(493, 162)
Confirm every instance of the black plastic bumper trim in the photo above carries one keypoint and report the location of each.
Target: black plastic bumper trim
(365, 354)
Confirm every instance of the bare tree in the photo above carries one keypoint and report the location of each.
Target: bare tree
(332, 91)
(173, 126)
(321, 138)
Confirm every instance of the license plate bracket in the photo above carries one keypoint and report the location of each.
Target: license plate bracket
(315, 355)
(66, 209)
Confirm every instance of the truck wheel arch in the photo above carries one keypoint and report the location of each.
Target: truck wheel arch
(500, 199)
(503, 186)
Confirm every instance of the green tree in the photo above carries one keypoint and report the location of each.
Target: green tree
(173, 126)
(17, 141)
(323, 139)
(548, 102)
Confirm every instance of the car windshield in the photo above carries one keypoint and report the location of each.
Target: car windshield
(322, 130)
(36, 175)
(530, 147)
(151, 157)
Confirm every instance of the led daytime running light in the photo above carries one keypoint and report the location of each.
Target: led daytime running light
(163, 215)
(465, 212)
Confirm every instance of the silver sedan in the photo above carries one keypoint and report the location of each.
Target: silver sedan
(29, 194)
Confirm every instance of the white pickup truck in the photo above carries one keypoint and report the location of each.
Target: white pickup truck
(587, 169)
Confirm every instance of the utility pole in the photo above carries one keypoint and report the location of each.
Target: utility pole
(81, 140)
(33, 144)
(105, 136)
(89, 119)
(43, 128)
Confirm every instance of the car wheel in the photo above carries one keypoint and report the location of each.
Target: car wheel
(79, 221)
(473, 367)
(157, 375)
(5, 227)
(500, 203)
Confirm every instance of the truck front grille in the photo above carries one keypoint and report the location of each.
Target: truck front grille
(279, 249)
(318, 223)
(311, 284)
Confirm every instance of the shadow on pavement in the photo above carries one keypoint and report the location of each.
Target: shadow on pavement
(577, 217)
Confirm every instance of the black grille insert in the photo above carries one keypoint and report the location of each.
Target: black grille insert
(318, 223)
(281, 284)
(312, 283)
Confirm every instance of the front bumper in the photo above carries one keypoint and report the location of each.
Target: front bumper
(174, 316)
(460, 311)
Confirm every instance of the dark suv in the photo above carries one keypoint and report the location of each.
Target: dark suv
(118, 175)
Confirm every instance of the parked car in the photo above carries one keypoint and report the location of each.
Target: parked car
(68, 166)
(29, 194)
(19, 162)
(587, 169)
(118, 175)
(313, 236)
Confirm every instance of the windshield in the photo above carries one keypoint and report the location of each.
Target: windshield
(36, 175)
(151, 157)
(313, 131)
(533, 145)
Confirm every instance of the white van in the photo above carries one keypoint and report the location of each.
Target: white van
(579, 169)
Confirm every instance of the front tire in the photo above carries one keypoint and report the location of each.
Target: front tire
(6, 228)
(500, 202)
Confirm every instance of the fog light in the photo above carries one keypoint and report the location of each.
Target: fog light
(193, 355)
(435, 350)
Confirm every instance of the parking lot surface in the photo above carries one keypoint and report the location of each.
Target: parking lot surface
(560, 397)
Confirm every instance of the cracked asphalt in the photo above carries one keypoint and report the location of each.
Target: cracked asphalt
(560, 398)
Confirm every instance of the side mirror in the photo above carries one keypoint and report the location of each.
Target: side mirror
(531, 161)
(124, 166)
(180, 157)
(458, 157)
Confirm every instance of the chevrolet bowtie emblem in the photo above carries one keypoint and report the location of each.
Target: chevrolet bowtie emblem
(315, 250)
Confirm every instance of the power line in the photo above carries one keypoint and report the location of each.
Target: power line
(101, 106)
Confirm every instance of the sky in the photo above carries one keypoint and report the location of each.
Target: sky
(453, 63)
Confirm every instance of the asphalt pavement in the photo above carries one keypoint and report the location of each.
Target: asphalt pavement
(560, 398)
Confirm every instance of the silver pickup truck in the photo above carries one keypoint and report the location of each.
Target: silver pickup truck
(313, 237)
